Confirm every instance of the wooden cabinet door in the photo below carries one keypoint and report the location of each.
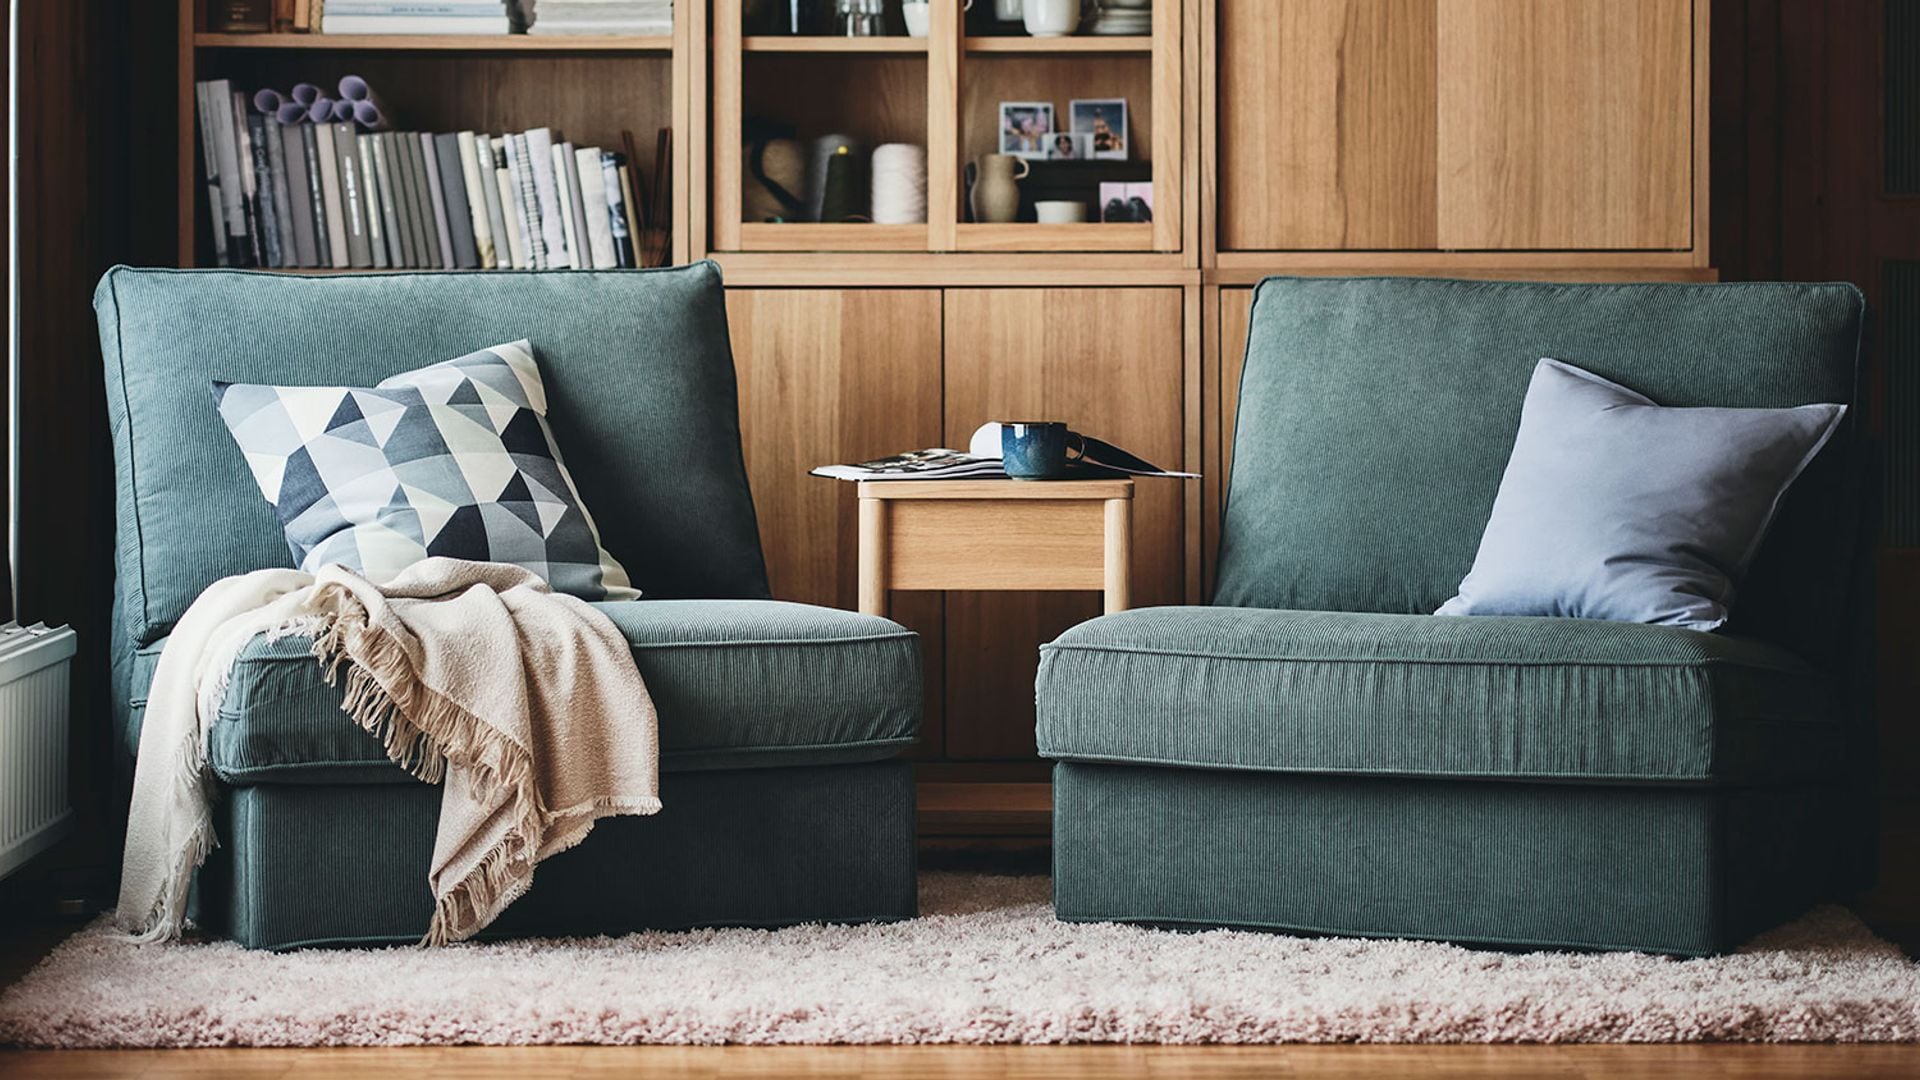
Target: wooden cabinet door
(1565, 124)
(1109, 362)
(826, 376)
(1326, 124)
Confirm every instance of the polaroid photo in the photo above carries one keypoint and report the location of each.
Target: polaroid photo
(1105, 120)
(1024, 127)
(1069, 146)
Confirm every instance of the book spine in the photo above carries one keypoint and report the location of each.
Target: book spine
(435, 25)
(623, 250)
(300, 206)
(480, 224)
(352, 197)
(282, 198)
(425, 236)
(453, 194)
(260, 187)
(578, 242)
(249, 180)
(233, 186)
(398, 250)
(546, 188)
(519, 161)
(633, 222)
(210, 158)
(283, 16)
(401, 165)
(560, 159)
(316, 196)
(516, 247)
(330, 191)
(436, 190)
(488, 151)
(593, 205)
(240, 16)
(370, 196)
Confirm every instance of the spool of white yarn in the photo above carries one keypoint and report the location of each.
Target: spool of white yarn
(899, 184)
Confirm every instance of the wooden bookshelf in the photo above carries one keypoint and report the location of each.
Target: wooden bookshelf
(1279, 136)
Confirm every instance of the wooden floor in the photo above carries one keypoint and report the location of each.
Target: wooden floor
(979, 1063)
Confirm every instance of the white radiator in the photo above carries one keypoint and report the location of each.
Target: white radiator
(34, 814)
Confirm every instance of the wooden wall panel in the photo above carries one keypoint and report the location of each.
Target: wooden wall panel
(829, 376)
(1110, 361)
(1565, 124)
(1327, 124)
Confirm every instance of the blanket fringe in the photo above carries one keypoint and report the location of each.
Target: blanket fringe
(421, 730)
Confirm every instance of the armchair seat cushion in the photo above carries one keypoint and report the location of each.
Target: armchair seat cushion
(1568, 700)
(738, 684)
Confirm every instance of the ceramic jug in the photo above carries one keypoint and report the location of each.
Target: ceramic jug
(996, 191)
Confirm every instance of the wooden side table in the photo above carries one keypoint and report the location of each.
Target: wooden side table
(1012, 535)
(1016, 535)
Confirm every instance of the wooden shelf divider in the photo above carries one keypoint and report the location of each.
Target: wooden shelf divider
(785, 43)
(1093, 44)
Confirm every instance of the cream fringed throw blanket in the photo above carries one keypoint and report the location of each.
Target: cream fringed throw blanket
(525, 701)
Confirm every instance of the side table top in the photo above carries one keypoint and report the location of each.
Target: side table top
(997, 489)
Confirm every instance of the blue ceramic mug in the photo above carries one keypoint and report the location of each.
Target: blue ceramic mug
(1038, 449)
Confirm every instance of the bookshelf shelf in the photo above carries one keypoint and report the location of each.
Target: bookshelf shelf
(1030, 236)
(1055, 46)
(494, 43)
(830, 236)
(781, 43)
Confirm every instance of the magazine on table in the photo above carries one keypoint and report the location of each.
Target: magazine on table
(981, 461)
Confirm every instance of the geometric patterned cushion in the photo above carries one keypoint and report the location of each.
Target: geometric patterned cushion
(455, 459)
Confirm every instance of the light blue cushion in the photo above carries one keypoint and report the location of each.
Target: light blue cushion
(1614, 507)
(454, 459)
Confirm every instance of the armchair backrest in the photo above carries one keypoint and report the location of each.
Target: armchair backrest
(640, 383)
(1376, 417)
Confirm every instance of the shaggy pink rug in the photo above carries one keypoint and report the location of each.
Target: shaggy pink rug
(986, 963)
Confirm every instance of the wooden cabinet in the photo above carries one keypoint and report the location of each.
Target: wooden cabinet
(1565, 124)
(829, 375)
(1109, 361)
(832, 375)
(1459, 125)
(1326, 131)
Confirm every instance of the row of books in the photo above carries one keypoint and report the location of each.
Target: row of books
(359, 17)
(415, 17)
(436, 17)
(332, 195)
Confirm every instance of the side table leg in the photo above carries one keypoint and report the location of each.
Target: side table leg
(1119, 561)
(873, 557)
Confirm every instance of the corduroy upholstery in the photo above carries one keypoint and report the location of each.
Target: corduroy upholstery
(773, 716)
(1415, 695)
(738, 684)
(332, 864)
(1318, 752)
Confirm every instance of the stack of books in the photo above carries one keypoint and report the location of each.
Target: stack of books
(565, 17)
(332, 195)
(414, 17)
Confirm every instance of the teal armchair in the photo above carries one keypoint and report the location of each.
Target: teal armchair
(1316, 752)
(779, 723)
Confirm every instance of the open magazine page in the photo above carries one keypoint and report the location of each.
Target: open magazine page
(981, 460)
(934, 464)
